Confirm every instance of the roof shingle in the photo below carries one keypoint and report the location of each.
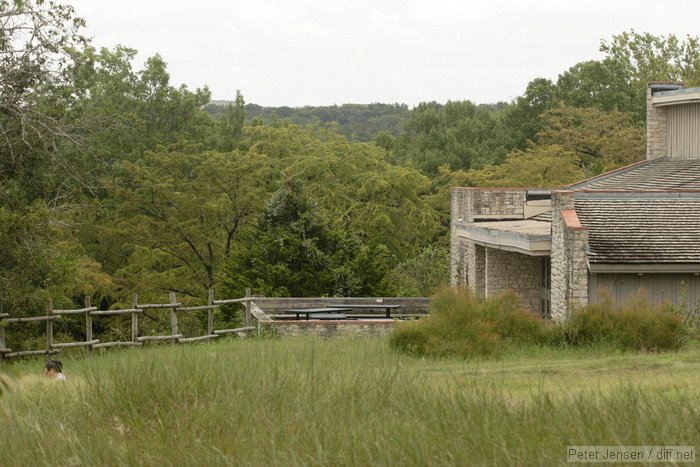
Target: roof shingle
(658, 174)
(629, 230)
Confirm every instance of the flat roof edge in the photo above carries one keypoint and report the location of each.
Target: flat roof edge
(495, 188)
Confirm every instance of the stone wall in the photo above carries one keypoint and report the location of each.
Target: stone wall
(508, 202)
(657, 125)
(466, 260)
(510, 271)
(568, 259)
(466, 203)
(332, 328)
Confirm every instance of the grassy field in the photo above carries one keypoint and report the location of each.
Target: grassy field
(344, 402)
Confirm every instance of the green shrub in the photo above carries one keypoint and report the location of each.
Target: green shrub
(638, 325)
(410, 337)
(461, 325)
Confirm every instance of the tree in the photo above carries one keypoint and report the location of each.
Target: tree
(352, 182)
(231, 124)
(422, 275)
(461, 135)
(643, 57)
(539, 166)
(37, 171)
(131, 111)
(295, 252)
(573, 143)
(522, 117)
(33, 40)
(178, 212)
(598, 84)
(601, 140)
(290, 252)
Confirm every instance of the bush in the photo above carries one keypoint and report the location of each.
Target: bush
(461, 325)
(464, 326)
(410, 337)
(638, 325)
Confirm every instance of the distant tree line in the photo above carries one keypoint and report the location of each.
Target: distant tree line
(357, 122)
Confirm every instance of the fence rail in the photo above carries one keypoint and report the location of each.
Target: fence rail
(136, 309)
(254, 308)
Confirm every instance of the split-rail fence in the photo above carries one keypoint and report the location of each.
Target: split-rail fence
(175, 308)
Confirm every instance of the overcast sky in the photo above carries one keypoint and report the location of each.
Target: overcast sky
(324, 52)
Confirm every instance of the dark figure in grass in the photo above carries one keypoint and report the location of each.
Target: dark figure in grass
(53, 368)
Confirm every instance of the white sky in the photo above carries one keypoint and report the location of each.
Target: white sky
(324, 52)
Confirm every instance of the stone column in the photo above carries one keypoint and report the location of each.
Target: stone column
(569, 267)
(657, 124)
(559, 261)
(460, 214)
(577, 244)
(657, 121)
(476, 268)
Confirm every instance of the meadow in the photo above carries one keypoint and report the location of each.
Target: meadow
(303, 401)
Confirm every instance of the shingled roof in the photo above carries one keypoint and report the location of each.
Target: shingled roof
(658, 174)
(636, 229)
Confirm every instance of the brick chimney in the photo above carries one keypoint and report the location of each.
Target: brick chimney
(657, 120)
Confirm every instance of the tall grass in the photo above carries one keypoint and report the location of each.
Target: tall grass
(337, 402)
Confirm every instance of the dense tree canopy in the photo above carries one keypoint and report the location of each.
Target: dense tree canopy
(295, 251)
(460, 135)
(114, 180)
(36, 174)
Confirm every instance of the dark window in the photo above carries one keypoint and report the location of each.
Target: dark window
(545, 281)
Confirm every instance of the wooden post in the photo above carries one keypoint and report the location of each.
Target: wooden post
(173, 317)
(135, 318)
(2, 338)
(49, 326)
(88, 325)
(210, 315)
(247, 307)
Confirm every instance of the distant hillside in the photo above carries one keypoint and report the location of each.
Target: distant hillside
(356, 121)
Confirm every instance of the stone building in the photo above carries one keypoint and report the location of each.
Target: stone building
(635, 227)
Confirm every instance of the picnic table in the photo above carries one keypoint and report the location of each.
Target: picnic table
(365, 306)
(335, 312)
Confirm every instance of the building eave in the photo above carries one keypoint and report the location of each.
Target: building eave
(642, 268)
(676, 97)
(528, 244)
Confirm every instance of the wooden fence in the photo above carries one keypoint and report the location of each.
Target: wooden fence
(175, 308)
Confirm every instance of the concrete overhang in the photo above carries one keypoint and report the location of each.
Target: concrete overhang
(680, 96)
(644, 268)
(524, 236)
